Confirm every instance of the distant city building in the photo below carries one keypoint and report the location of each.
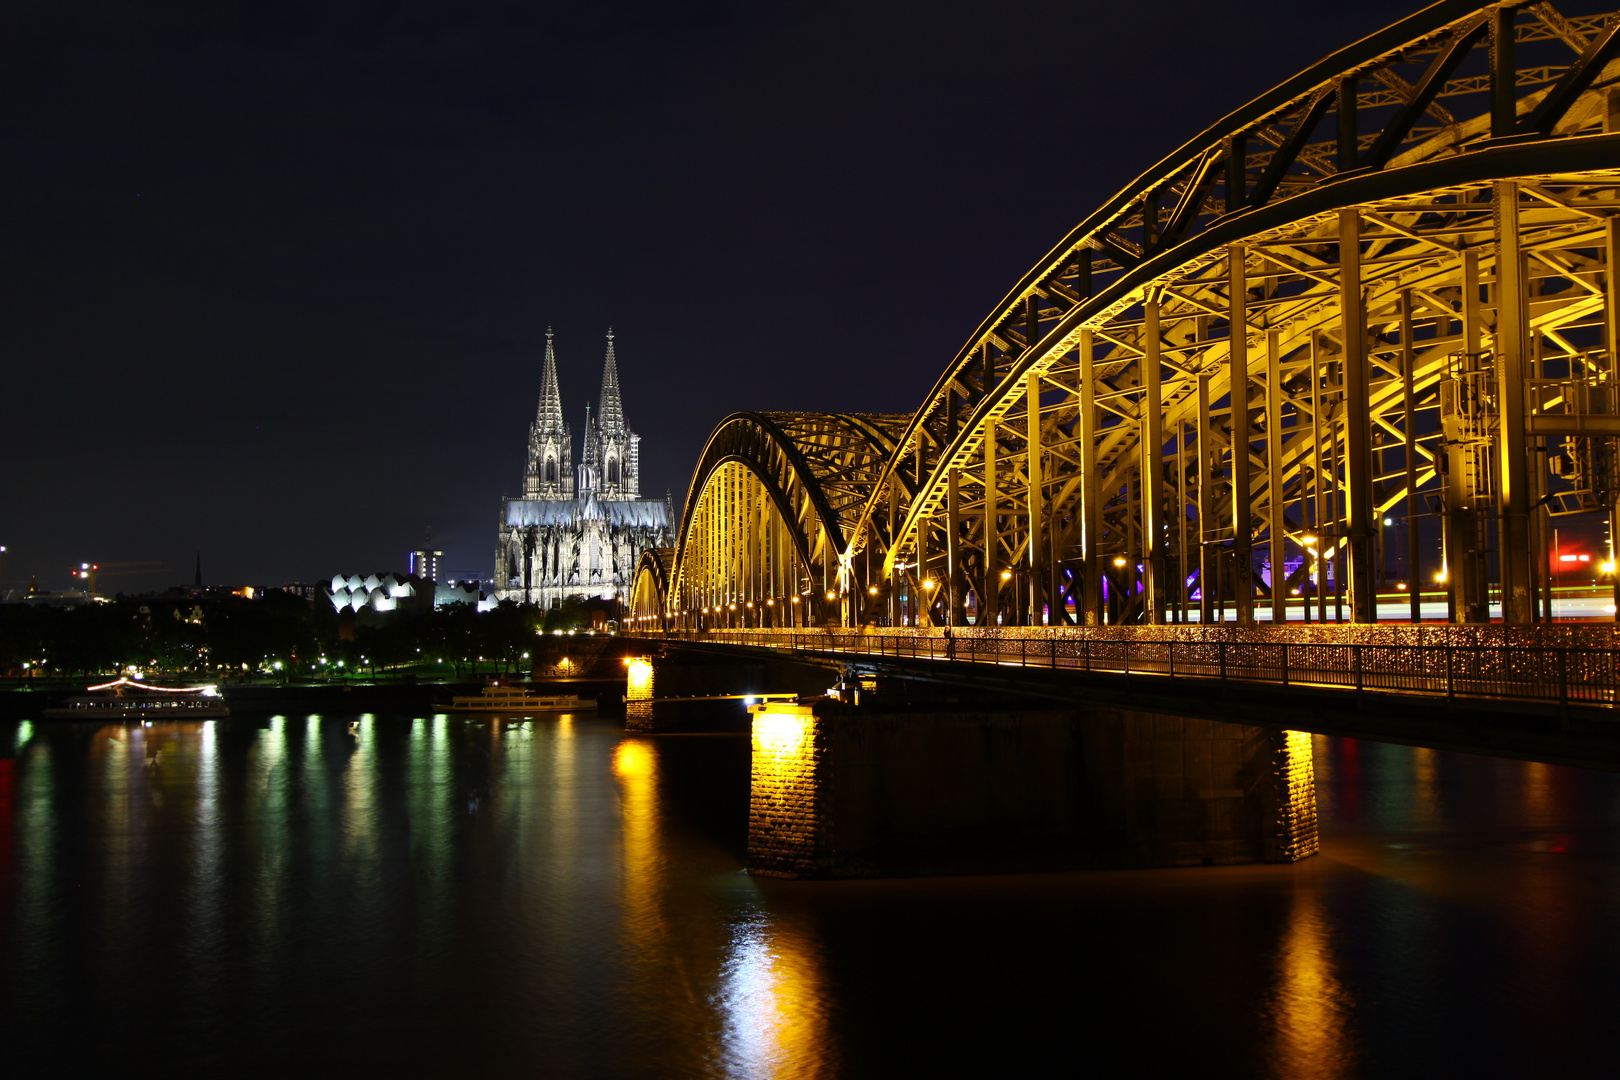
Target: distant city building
(466, 592)
(578, 532)
(424, 563)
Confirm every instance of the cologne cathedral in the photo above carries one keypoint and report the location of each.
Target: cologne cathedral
(578, 531)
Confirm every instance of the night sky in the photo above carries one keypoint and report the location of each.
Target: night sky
(276, 277)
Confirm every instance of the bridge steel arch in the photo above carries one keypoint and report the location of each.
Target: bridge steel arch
(1402, 258)
(649, 590)
(763, 533)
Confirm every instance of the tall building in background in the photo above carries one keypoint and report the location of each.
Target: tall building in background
(424, 563)
(578, 531)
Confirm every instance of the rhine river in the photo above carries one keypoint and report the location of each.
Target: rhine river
(388, 896)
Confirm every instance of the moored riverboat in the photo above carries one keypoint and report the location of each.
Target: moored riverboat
(129, 699)
(496, 698)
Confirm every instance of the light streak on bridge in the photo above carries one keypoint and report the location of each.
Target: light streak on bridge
(1366, 320)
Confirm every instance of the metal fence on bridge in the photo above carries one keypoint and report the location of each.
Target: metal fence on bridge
(1554, 674)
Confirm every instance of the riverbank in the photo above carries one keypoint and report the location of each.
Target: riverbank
(341, 697)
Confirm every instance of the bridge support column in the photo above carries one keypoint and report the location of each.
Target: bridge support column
(1152, 441)
(1512, 345)
(1363, 580)
(1278, 519)
(956, 579)
(875, 791)
(1238, 377)
(1611, 340)
(1035, 496)
(990, 586)
(1464, 543)
(1090, 490)
(1208, 554)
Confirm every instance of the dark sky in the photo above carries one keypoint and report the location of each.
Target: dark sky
(276, 277)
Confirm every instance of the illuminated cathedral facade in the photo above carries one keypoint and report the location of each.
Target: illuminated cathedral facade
(578, 531)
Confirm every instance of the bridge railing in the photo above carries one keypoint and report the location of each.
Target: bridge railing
(1557, 674)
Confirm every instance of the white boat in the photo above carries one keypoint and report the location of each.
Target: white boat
(516, 699)
(126, 699)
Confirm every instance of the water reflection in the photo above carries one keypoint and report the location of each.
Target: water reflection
(774, 1002)
(1310, 1007)
(441, 896)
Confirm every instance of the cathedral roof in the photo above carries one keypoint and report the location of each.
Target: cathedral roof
(648, 512)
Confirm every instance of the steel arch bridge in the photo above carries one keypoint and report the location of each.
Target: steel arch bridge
(1402, 261)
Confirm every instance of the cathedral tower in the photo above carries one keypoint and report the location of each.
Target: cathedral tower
(617, 448)
(550, 473)
(578, 532)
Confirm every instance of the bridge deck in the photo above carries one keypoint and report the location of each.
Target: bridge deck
(1511, 692)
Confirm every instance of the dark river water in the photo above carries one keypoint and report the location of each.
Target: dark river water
(388, 896)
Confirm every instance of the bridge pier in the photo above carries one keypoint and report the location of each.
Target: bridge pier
(893, 790)
(665, 691)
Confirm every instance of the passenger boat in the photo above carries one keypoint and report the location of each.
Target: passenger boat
(127, 699)
(516, 699)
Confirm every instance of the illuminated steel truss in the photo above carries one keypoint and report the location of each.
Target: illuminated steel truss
(1403, 256)
(773, 502)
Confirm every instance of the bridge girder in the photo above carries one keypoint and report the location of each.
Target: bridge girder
(1446, 189)
(770, 506)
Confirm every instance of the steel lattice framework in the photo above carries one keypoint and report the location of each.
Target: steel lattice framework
(1402, 258)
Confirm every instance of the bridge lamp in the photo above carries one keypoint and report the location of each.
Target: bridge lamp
(930, 584)
(750, 603)
(1389, 521)
(1119, 560)
(771, 602)
(1607, 568)
(873, 589)
(1440, 575)
(795, 599)
(1007, 574)
(832, 595)
(733, 607)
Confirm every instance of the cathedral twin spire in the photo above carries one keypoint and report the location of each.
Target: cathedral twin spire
(609, 464)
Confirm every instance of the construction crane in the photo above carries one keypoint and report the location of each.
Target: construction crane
(90, 572)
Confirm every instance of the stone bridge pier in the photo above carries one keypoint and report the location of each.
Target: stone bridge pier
(881, 789)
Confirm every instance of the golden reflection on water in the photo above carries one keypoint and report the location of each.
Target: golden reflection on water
(1310, 1007)
(1425, 795)
(1538, 796)
(769, 1004)
(772, 994)
(635, 764)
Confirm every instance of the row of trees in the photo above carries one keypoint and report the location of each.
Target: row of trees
(275, 633)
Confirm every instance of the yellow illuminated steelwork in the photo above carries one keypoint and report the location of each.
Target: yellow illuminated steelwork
(1091, 411)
